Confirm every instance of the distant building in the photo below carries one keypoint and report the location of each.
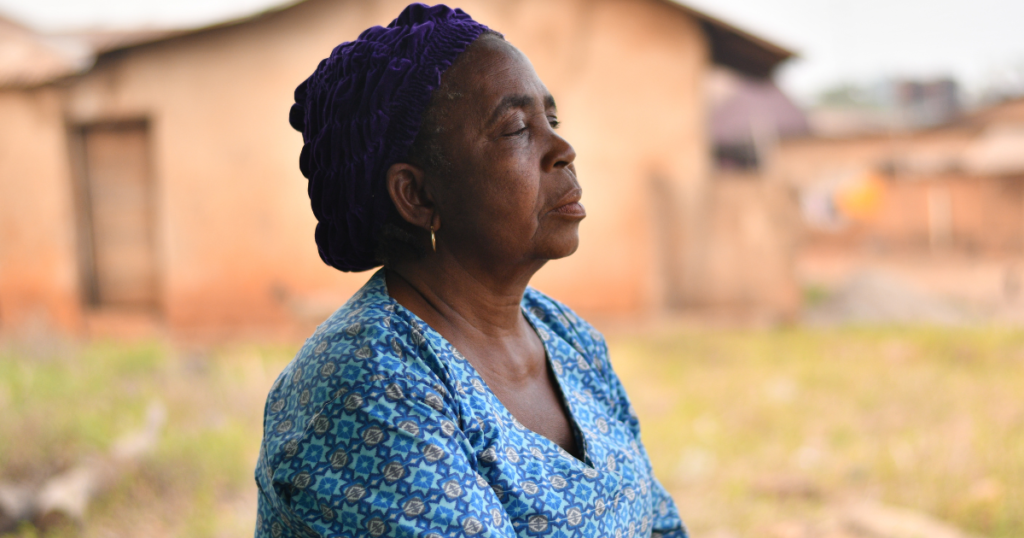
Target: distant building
(889, 105)
(158, 178)
(748, 116)
(958, 187)
(927, 103)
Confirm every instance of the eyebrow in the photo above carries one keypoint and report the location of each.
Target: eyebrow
(518, 101)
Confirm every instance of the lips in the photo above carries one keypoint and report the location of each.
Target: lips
(570, 206)
(574, 209)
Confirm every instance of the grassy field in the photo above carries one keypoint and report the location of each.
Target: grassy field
(747, 429)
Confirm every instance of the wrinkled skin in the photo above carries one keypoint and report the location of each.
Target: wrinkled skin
(506, 205)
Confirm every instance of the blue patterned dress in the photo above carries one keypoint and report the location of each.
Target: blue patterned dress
(379, 427)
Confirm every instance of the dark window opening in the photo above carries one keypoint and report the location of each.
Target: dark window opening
(736, 157)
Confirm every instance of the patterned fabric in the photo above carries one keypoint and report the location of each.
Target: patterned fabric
(379, 427)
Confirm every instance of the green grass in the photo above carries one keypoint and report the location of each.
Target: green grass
(58, 408)
(747, 429)
(197, 482)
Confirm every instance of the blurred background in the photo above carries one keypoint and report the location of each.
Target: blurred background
(805, 244)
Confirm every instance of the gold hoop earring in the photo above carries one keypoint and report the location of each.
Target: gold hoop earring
(433, 240)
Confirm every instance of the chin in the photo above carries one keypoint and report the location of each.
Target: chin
(561, 248)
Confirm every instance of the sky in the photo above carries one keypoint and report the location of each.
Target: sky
(980, 42)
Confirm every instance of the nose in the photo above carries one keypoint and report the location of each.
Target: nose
(559, 155)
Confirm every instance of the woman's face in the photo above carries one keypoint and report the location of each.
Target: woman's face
(510, 194)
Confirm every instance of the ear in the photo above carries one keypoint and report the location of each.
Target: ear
(407, 190)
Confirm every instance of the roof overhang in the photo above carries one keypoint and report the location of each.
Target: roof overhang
(729, 46)
(736, 48)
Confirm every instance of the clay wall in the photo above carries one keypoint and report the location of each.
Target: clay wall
(971, 214)
(924, 197)
(233, 229)
(753, 233)
(38, 276)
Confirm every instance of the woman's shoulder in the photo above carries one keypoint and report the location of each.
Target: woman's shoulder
(364, 342)
(562, 320)
(552, 311)
(363, 348)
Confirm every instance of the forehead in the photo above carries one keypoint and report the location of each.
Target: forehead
(493, 72)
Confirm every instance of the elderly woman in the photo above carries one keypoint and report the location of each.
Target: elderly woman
(446, 398)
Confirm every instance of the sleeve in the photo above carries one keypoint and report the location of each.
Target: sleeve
(666, 522)
(385, 458)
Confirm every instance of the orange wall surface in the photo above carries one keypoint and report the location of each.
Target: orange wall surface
(38, 270)
(234, 228)
(916, 173)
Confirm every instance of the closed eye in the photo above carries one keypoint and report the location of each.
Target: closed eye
(519, 132)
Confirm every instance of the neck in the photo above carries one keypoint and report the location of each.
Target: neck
(449, 293)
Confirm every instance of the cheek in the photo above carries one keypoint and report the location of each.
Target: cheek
(517, 191)
(506, 190)
(493, 193)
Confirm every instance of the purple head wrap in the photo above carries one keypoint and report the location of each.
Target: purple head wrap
(359, 113)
